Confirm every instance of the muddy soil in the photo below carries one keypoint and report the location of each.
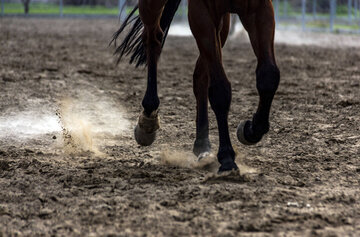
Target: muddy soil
(301, 180)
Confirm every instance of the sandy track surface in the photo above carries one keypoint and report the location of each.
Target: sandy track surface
(302, 179)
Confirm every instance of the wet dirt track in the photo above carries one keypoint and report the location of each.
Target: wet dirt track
(308, 167)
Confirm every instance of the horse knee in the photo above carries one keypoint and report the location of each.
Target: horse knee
(267, 79)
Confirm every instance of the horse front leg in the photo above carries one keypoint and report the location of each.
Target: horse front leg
(206, 32)
(200, 85)
(148, 123)
(202, 144)
(261, 28)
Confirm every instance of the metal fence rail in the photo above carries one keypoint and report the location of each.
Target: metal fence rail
(61, 8)
(341, 16)
(308, 16)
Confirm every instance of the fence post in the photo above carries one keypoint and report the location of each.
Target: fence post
(276, 10)
(183, 11)
(303, 13)
(285, 8)
(350, 10)
(2, 7)
(122, 9)
(314, 9)
(332, 14)
(61, 7)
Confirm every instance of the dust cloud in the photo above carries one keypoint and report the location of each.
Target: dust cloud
(324, 40)
(89, 122)
(27, 124)
(186, 159)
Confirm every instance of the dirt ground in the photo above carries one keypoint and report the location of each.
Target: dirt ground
(301, 180)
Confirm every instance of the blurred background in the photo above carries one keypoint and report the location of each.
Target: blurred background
(341, 16)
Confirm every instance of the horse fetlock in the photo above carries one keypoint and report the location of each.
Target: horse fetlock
(226, 158)
(201, 145)
(150, 103)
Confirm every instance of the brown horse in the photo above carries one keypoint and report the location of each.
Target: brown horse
(209, 21)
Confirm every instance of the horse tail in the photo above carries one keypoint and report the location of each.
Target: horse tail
(132, 43)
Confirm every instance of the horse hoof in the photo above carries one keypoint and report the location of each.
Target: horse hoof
(203, 155)
(241, 133)
(228, 166)
(142, 137)
(201, 146)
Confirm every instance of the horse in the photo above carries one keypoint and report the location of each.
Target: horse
(209, 21)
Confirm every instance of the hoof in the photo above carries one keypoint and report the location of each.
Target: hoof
(142, 137)
(145, 130)
(241, 133)
(228, 165)
(203, 155)
(201, 146)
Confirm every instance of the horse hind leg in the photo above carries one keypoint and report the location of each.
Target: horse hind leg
(261, 27)
(148, 123)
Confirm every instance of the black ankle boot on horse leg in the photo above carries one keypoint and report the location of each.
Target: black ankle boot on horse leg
(267, 82)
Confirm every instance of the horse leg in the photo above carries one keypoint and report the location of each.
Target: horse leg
(150, 14)
(261, 28)
(206, 32)
(200, 84)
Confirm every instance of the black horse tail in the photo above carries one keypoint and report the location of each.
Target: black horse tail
(132, 43)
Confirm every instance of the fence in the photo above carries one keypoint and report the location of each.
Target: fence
(308, 15)
(331, 15)
(74, 8)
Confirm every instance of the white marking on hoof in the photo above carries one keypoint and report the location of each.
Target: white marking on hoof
(203, 155)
